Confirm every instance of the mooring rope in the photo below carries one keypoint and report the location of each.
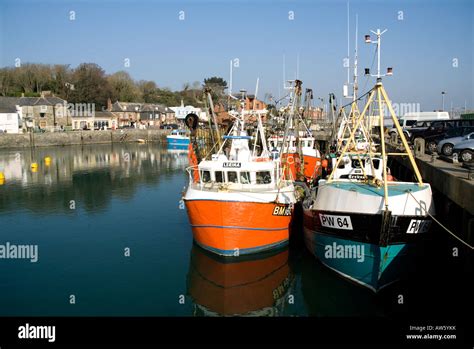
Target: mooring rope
(429, 214)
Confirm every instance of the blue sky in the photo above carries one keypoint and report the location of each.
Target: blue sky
(420, 48)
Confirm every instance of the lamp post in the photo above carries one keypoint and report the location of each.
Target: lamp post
(442, 100)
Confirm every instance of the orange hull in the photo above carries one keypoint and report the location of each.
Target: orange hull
(312, 166)
(238, 288)
(233, 228)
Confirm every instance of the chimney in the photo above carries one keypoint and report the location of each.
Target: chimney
(182, 103)
(109, 104)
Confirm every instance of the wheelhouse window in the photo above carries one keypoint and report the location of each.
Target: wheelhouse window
(232, 177)
(264, 177)
(245, 177)
(219, 176)
(206, 176)
(356, 163)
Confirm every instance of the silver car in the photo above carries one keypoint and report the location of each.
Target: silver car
(465, 149)
(446, 146)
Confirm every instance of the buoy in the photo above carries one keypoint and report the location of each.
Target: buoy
(324, 163)
(47, 161)
(2, 178)
(34, 167)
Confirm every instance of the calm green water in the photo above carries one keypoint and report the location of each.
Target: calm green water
(92, 203)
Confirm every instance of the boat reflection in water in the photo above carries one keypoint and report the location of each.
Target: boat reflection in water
(255, 285)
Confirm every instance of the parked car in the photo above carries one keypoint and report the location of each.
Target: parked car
(446, 146)
(438, 128)
(456, 133)
(417, 126)
(465, 149)
(412, 119)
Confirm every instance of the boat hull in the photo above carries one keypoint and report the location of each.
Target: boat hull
(177, 140)
(233, 228)
(351, 233)
(359, 255)
(173, 146)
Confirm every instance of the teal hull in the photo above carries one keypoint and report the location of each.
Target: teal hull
(367, 264)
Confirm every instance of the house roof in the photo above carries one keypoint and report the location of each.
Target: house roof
(8, 104)
(142, 107)
(126, 106)
(104, 114)
(32, 101)
(42, 101)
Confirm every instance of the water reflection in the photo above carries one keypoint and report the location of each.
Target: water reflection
(46, 179)
(243, 286)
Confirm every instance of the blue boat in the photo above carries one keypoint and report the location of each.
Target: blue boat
(349, 229)
(178, 139)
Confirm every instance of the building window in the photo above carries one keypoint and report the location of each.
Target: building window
(42, 115)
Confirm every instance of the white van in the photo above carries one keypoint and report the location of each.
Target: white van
(420, 119)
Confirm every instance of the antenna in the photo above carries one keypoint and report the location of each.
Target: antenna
(368, 40)
(297, 65)
(231, 69)
(284, 75)
(348, 45)
(230, 79)
(355, 87)
(255, 96)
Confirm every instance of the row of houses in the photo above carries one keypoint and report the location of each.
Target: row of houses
(50, 113)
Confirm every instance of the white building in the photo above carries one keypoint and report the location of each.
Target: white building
(10, 118)
(182, 111)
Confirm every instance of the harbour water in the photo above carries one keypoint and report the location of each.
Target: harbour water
(114, 239)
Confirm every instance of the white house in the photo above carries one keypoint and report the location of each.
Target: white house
(10, 116)
(182, 111)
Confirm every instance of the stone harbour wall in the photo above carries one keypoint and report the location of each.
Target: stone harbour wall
(80, 137)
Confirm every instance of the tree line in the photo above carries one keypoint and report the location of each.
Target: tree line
(89, 83)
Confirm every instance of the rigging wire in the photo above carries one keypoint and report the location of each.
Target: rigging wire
(439, 223)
